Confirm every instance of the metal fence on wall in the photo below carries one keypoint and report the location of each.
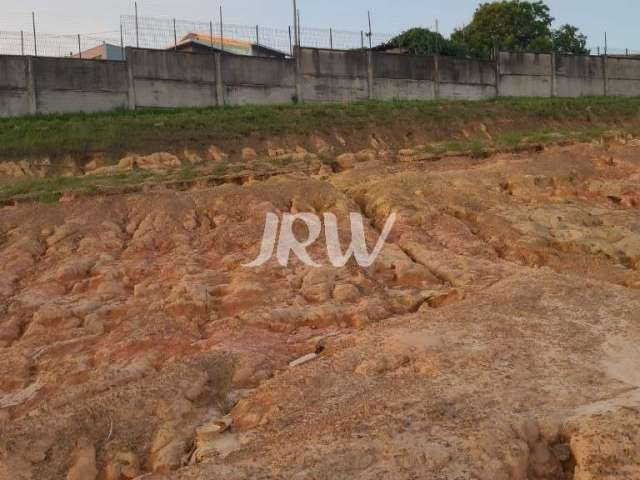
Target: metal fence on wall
(48, 45)
(162, 33)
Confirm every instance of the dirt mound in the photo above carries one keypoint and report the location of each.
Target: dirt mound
(495, 337)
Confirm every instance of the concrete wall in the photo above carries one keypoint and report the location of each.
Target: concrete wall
(14, 86)
(167, 79)
(623, 76)
(332, 75)
(403, 77)
(525, 75)
(579, 76)
(466, 79)
(171, 79)
(254, 80)
(66, 85)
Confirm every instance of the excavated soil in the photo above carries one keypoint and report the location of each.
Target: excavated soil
(496, 337)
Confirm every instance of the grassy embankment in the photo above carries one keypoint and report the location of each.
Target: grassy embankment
(512, 122)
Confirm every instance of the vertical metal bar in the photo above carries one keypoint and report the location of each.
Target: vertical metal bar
(175, 36)
(370, 33)
(35, 42)
(257, 35)
(22, 42)
(79, 48)
(626, 50)
(437, 37)
(221, 31)
(331, 38)
(121, 43)
(299, 30)
(137, 27)
(606, 46)
(211, 34)
(290, 42)
(362, 39)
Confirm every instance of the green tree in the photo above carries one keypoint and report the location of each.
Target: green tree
(511, 25)
(568, 39)
(422, 41)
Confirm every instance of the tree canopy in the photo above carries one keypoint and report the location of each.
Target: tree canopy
(422, 41)
(568, 39)
(517, 26)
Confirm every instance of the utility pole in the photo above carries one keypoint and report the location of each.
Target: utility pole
(79, 48)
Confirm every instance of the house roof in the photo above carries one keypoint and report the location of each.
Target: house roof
(208, 40)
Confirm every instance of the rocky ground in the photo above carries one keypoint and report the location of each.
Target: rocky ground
(496, 337)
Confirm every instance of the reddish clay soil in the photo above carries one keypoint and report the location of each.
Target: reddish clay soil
(496, 337)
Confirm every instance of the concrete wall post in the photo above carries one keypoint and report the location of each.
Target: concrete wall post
(436, 76)
(370, 74)
(32, 87)
(605, 73)
(297, 56)
(554, 79)
(219, 80)
(498, 75)
(131, 80)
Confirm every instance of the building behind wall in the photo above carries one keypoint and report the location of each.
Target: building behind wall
(106, 51)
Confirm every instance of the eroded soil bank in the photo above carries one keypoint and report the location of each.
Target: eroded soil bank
(496, 337)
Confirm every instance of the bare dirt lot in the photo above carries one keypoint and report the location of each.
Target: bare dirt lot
(496, 337)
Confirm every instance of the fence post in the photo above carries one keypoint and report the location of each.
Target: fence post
(219, 80)
(370, 32)
(79, 48)
(22, 42)
(35, 42)
(32, 93)
(257, 34)
(175, 36)
(331, 38)
(221, 32)
(121, 43)
(137, 27)
(131, 95)
(370, 73)
(362, 39)
(290, 42)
